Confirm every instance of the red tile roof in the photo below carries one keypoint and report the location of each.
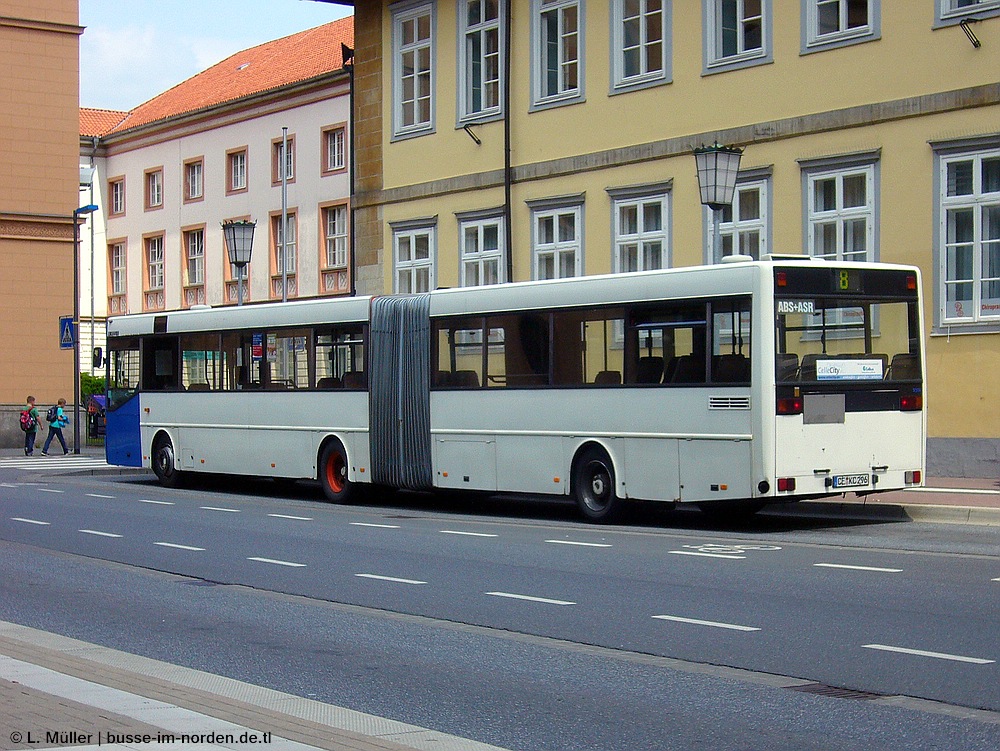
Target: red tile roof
(271, 65)
(95, 122)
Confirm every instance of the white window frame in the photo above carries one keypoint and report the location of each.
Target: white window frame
(716, 58)
(840, 216)
(237, 170)
(557, 249)
(118, 196)
(194, 180)
(335, 236)
(953, 11)
(408, 270)
(154, 263)
(194, 248)
(403, 16)
(336, 149)
(118, 259)
(978, 201)
(565, 93)
(814, 41)
(735, 227)
(280, 156)
(476, 60)
(154, 189)
(643, 237)
(285, 251)
(661, 73)
(473, 261)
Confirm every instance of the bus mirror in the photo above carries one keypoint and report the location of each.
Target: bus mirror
(98, 357)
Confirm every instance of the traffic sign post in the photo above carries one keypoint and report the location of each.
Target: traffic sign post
(67, 333)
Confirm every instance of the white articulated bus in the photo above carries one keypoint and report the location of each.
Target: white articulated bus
(729, 386)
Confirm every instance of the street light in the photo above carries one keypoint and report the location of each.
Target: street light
(239, 243)
(718, 167)
(77, 213)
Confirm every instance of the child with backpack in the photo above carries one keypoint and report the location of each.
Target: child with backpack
(29, 424)
(56, 417)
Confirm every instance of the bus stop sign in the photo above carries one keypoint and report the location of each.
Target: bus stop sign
(67, 333)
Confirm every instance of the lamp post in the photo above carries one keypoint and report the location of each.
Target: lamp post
(77, 213)
(718, 167)
(239, 244)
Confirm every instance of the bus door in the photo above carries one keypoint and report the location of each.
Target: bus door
(122, 444)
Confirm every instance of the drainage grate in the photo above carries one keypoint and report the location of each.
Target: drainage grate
(821, 689)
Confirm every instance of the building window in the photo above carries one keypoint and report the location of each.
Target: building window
(194, 243)
(840, 213)
(481, 246)
(284, 255)
(154, 188)
(153, 295)
(117, 257)
(969, 257)
(743, 227)
(480, 84)
(193, 180)
(116, 193)
(236, 171)
(413, 70)
(956, 10)
(640, 42)
(737, 33)
(558, 44)
(641, 239)
(335, 236)
(557, 242)
(334, 149)
(832, 23)
(279, 157)
(413, 251)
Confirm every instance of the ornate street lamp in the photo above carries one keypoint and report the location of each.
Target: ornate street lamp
(718, 167)
(239, 244)
(77, 213)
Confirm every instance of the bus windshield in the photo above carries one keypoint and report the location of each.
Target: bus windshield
(831, 340)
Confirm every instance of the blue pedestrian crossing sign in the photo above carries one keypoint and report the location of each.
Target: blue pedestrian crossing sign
(67, 333)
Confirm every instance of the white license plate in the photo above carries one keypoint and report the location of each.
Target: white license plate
(851, 481)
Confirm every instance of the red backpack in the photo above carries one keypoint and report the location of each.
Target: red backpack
(28, 423)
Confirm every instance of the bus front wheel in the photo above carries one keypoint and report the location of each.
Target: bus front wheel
(164, 464)
(593, 484)
(333, 473)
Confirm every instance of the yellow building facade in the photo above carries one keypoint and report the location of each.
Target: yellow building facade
(506, 141)
(39, 123)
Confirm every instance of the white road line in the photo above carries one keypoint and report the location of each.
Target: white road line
(219, 508)
(378, 526)
(8, 485)
(996, 580)
(158, 503)
(970, 491)
(288, 516)
(466, 534)
(580, 544)
(277, 562)
(544, 600)
(30, 521)
(98, 495)
(50, 490)
(713, 624)
(707, 555)
(923, 653)
(859, 568)
(99, 534)
(389, 579)
(175, 545)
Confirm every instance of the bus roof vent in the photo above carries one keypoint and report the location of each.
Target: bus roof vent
(737, 258)
(785, 257)
(200, 307)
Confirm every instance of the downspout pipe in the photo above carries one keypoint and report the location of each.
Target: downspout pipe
(507, 172)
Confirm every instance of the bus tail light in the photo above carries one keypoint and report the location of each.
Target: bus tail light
(781, 279)
(786, 484)
(911, 403)
(911, 281)
(912, 478)
(790, 405)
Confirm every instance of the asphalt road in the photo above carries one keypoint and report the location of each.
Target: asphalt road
(516, 625)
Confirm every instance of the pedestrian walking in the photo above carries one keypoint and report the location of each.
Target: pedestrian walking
(57, 421)
(29, 424)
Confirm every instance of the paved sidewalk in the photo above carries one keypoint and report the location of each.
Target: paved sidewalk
(56, 692)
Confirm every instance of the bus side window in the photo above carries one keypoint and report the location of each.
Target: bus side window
(159, 364)
(460, 353)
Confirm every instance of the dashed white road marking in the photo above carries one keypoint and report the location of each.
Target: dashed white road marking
(276, 562)
(377, 526)
(713, 624)
(220, 508)
(466, 534)
(708, 555)
(177, 546)
(289, 516)
(50, 490)
(98, 533)
(395, 579)
(529, 598)
(859, 568)
(581, 544)
(924, 653)
(158, 503)
(98, 495)
(30, 521)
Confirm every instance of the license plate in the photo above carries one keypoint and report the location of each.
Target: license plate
(851, 481)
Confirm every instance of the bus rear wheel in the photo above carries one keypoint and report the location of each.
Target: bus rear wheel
(164, 463)
(333, 473)
(593, 484)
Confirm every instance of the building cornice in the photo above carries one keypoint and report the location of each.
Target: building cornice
(46, 227)
(30, 24)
